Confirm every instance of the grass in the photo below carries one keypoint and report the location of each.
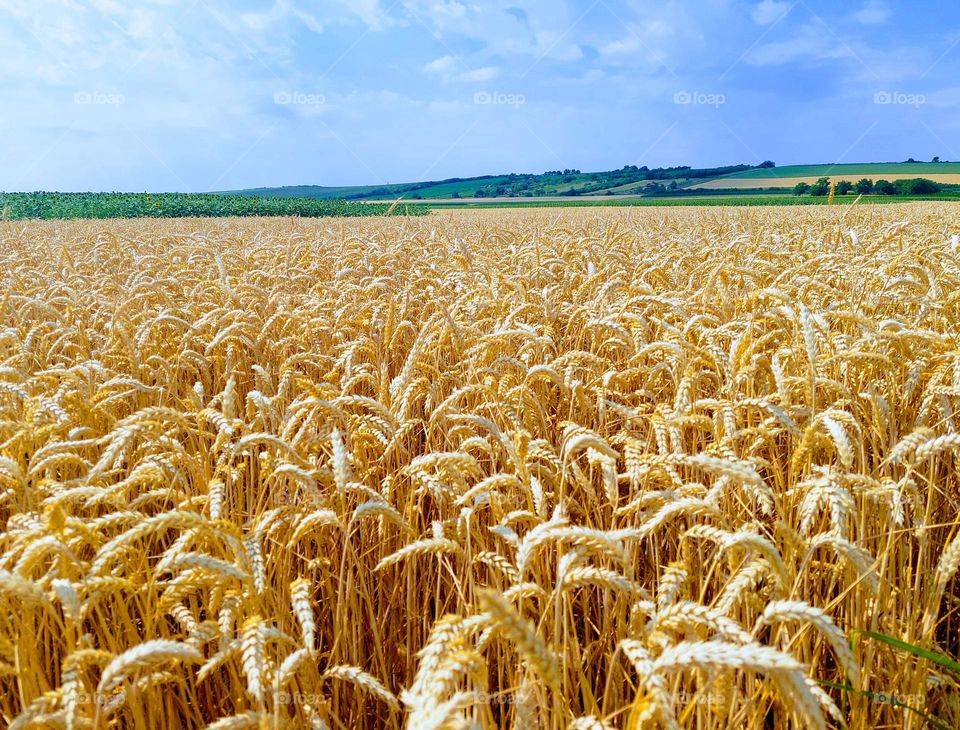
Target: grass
(581, 468)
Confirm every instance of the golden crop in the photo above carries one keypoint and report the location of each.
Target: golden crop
(584, 468)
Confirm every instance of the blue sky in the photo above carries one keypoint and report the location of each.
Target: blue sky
(212, 95)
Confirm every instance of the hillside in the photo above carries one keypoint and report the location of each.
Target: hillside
(629, 180)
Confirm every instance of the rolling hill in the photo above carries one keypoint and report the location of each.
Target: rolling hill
(630, 180)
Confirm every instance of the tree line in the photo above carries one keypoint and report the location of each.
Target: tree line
(865, 186)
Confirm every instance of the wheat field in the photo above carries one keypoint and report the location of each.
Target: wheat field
(582, 468)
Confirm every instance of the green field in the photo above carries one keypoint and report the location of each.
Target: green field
(17, 206)
(864, 169)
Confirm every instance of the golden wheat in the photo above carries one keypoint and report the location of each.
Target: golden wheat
(613, 468)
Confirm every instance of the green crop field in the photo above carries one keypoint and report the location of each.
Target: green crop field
(175, 205)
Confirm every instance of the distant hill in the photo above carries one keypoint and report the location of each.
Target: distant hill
(629, 180)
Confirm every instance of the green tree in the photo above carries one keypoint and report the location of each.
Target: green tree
(844, 187)
(916, 186)
(821, 187)
(864, 186)
(923, 186)
(884, 187)
(801, 188)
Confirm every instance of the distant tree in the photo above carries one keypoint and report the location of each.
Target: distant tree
(673, 185)
(864, 186)
(910, 159)
(844, 187)
(923, 186)
(916, 186)
(767, 163)
(456, 194)
(821, 187)
(801, 188)
(936, 159)
(884, 187)
(480, 193)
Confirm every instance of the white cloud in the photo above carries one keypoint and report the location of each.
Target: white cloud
(770, 11)
(537, 29)
(623, 47)
(443, 65)
(281, 10)
(446, 67)
(371, 12)
(449, 9)
(480, 74)
(810, 43)
(873, 12)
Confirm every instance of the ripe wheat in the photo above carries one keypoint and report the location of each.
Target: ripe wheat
(533, 469)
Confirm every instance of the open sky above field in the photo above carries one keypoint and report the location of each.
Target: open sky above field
(198, 95)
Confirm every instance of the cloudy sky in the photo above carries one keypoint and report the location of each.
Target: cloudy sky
(199, 95)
